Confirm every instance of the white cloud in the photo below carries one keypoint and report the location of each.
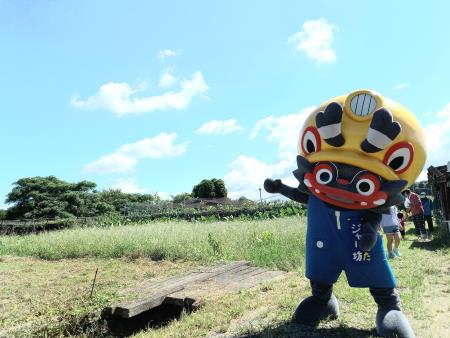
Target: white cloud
(165, 53)
(247, 174)
(284, 130)
(423, 176)
(400, 86)
(119, 97)
(315, 40)
(125, 158)
(161, 145)
(444, 113)
(167, 79)
(165, 195)
(219, 127)
(438, 138)
(129, 186)
(111, 163)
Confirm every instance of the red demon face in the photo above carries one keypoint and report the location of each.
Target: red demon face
(362, 191)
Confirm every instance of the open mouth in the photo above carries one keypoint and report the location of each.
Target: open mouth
(344, 198)
(340, 198)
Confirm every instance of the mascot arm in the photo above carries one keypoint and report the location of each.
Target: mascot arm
(369, 231)
(276, 186)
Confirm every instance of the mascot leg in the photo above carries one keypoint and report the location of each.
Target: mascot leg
(390, 322)
(320, 305)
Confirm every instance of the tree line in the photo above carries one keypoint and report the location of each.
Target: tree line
(51, 198)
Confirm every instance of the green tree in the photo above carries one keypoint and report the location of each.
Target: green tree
(205, 189)
(144, 198)
(214, 188)
(181, 198)
(114, 197)
(246, 201)
(2, 214)
(49, 197)
(220, 191)
(119, 200)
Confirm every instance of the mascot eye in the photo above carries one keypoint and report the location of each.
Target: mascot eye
(310, 141)
(399, 157)
(367, 185)
(323, 174)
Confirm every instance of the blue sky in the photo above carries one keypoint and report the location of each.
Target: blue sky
(154, 96)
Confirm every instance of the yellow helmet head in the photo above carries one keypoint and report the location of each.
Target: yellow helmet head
(365, 130)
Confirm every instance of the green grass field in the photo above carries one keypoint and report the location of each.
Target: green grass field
(46, 280)
(276, 243)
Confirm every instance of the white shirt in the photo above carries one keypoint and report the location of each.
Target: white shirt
(391, 218)
(407, 203)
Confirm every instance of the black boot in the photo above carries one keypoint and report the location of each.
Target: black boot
(320, 305)
(390, 322)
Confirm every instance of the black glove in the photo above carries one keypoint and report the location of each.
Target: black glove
(368, 238)
(272, 186)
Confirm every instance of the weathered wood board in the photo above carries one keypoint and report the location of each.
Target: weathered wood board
(189, 288)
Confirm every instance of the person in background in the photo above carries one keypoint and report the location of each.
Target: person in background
(414, 206)
(391, 228)
(427, 205)
(401, 220)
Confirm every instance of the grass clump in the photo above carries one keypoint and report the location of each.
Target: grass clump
(273, 243)
(122, 253)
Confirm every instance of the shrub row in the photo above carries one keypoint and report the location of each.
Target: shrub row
(265, 211)
(142, 215)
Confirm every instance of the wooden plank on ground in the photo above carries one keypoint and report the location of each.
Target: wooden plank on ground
(157, 292)
(258, 279)
(131, 309)
(189, 288)
(199, 273)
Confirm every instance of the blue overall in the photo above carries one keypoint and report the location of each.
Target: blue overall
(332, 246)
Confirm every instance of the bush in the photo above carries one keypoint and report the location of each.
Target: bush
(181, 198)
(51, 198)
(214, 188)
(220, 191)
(247, 211)
(205, 189)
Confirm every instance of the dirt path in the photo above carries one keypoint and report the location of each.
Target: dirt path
(435, 321)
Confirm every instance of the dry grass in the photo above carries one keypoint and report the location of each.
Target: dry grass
(265, 311)
(272, 243)
(55, 293)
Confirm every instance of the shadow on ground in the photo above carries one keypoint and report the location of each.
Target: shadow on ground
(289, 329)
(438, 241)
(155, 318)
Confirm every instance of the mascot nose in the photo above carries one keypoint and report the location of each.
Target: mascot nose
(343, 181)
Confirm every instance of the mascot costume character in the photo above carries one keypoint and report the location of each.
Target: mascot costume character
(357, 153)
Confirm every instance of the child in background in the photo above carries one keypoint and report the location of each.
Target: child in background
(391, 228)
(401, 220)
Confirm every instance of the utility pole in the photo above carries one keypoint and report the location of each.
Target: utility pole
(260, 197)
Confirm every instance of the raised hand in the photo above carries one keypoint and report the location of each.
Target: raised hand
(272, 186)
(276, 186)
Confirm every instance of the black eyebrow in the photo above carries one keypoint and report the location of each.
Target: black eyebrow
(337, 169)
(359, 172)
(364, 170)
